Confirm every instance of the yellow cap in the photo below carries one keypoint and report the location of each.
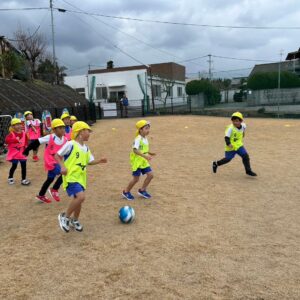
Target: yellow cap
(237, 115)
(15, 121)
(73, 118)
(57, 123)
(140, 124)
(77, 127)
(27, 113)
(65, 115)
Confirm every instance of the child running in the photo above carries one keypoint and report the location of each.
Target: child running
(139, 159)
(54, 142)
(73, 159)
(234, 135)
(16, 142)
(33, 130)
(68, 129)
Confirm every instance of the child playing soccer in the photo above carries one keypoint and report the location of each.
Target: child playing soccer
(234, 135)
(16, 141)
(139, 159)
(33, 130)
(76, 156)
(68, 129)
(54, 142)
(73, 120)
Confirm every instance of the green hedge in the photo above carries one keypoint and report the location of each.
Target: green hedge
(269, 80)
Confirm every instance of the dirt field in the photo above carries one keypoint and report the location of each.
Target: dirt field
(202, 236)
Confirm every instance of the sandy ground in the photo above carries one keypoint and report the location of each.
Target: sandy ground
(202, 236)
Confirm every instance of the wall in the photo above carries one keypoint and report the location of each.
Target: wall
(273, 96)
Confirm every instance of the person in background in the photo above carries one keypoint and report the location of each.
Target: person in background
(124, 106)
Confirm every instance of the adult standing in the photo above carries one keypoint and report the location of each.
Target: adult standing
(124, 105)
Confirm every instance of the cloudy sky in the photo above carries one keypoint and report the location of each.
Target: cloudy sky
(83, 39)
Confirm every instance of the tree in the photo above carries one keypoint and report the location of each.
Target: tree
(11, 63)
(47, 72)
(167, 86)
(32, 46)
(211, 92)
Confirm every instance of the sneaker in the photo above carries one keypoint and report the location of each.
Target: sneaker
(10, 181)
(127, 196)
(64, 222)
(214, 166)
(251, 173)
(43, 199)
(144, 194)
(54, 194)
(35, 158)
(76, 225)
(25, 182)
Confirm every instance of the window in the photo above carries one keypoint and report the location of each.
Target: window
(179, 91)
(80, 91)
(170, 91)
(157, 91)
(101, 92)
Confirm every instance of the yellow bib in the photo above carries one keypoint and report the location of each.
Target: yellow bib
(76, 164)
(236, 138)
(138, 162)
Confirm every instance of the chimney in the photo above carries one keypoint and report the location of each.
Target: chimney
(110, 64)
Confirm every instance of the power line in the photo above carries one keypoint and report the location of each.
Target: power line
(184, 24)
(243, 59)
(35, 32)
(24, 8)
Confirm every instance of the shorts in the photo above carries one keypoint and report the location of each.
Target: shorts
(34, 148)
(74, 188)
(54, 172)
(139, 171)
(15, 161)
(231, 154)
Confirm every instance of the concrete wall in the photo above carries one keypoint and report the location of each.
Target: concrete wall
(272, 97)
(197, 101)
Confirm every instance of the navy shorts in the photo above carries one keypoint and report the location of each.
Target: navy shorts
(15, 161)
(74, 188)
(139, 171)
(231, 154)
(54, 172)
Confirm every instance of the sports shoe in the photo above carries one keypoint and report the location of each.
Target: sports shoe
(43, 199)
(251, 173)
(214, 166)
(25, 182)
(64, 222)
(10, 181)
(76, 225)
(144, 194)
(54, 194)
(35, 158)
(127, 196)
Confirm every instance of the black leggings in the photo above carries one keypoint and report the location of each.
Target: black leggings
(48, 182)
(14, 167)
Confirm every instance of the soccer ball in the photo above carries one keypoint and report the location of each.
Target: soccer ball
(126, 214)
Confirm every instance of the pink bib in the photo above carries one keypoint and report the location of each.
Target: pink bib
(34, 131)
(50, 150)
(15, 150)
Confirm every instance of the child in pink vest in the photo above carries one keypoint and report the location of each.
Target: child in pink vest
(16, 141)
(54, 142)
(67, 120)
(33, 130)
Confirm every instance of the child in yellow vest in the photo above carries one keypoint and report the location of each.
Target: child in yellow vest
(73, 158)
(234, 135)
(139, 159)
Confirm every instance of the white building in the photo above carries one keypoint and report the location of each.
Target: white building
(137, 82)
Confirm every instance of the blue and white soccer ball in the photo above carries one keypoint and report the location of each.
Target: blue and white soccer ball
(126, 214)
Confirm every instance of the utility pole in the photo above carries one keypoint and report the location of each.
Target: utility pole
(53, 43)
(279, 81)
(209, 67)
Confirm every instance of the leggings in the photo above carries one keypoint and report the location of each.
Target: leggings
(13, 168)
(48, 182)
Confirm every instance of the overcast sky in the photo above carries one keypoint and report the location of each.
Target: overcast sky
(82, 40)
